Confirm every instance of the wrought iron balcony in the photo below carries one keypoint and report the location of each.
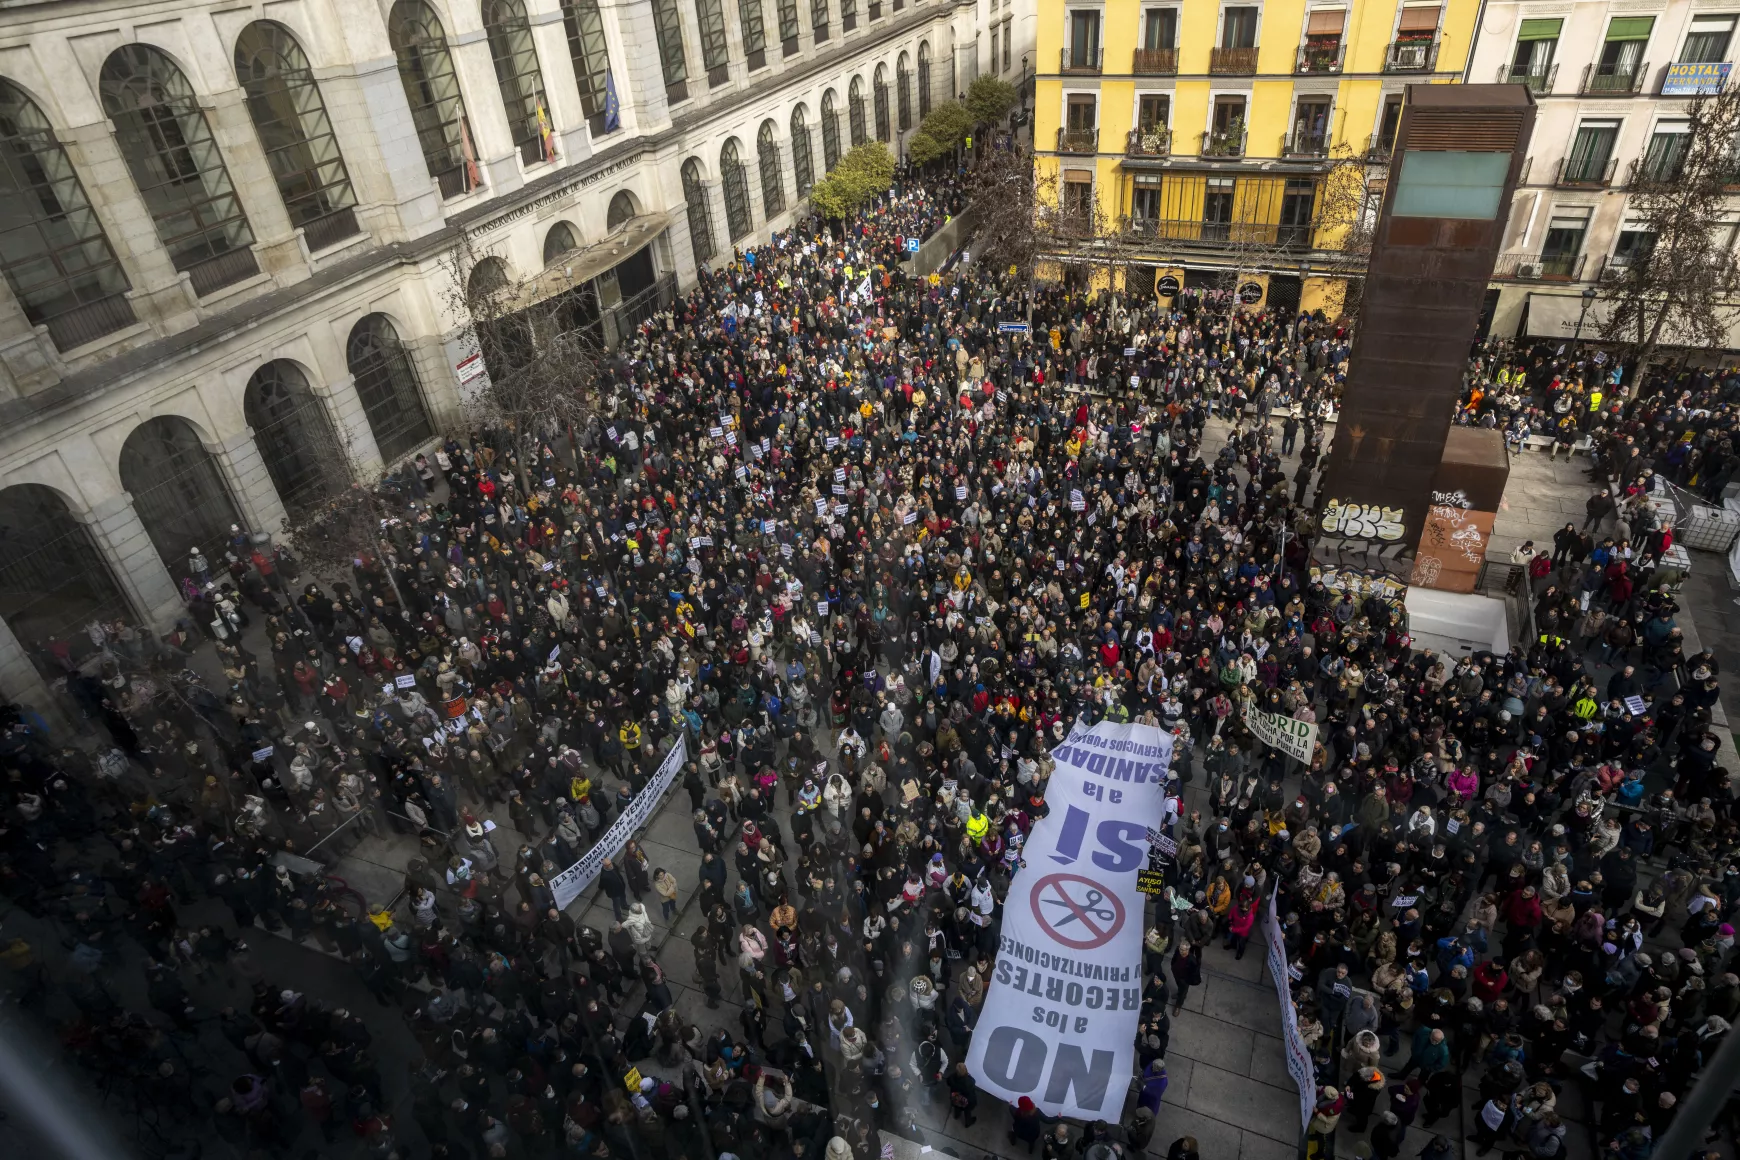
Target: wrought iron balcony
(1537, 82)
(1411, 56)
(1302, 143)
(1539, 267)
(1078, 140)
(1080, 60)
(1151, 142)
(1317, 60)
(1236, 61)
(1154, 62)
(1587, 172)
(1614, 81)
(1224, 144)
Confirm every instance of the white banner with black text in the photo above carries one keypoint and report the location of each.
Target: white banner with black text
(567, 885)
(1059, 1023)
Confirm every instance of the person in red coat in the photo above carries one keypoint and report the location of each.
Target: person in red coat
(1488, 981)
(1522, 917)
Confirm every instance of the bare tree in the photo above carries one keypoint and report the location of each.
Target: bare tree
(343, 526)
(1010, 199)
(540, 338)
(1678, 287)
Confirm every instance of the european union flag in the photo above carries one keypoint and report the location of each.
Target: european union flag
(612, 106)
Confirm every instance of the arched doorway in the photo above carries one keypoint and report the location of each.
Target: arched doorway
(387, 385)
(178, 492)
(53, 580)
(294, 435)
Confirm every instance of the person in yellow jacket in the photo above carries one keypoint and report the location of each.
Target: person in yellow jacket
(629, 735)
(978, 825)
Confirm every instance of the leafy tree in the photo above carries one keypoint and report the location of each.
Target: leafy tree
(989, 99)
(862, 175)
(1679, 286)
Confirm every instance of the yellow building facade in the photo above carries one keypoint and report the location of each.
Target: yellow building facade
(1218, 138)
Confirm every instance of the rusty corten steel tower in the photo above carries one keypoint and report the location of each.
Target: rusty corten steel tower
(1458, 153)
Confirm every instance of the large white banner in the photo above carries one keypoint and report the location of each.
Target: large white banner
(567, 885)
(1299, 1064)
(1059, 1023)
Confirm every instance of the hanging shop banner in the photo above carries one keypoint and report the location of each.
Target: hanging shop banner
(1059, 1023)
(1297, 739)
(1299, 1064)
(568, 885)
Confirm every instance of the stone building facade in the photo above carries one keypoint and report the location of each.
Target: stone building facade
(230, 231)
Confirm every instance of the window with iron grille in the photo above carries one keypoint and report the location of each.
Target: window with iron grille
(772, 182)
(819, 19)
(803, 165)
(788, 20)
(177, 490)
(386, 383)
(432, 89)
(585, 27)
(711, 16)
(848, 15)
(855, 111)
(559, 242)
(924, 80)
(738, 218)
(879, 96)
(830, 131)
(174, 161)
(293, 433)
(295, 133)
(700, 218)
(52, 247)
(903, 93)
(520, 78)
(668, 23)
(754, 32)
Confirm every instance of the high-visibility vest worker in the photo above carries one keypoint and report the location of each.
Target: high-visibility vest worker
(978, 825)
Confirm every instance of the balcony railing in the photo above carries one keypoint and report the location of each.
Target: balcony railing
(718, 75)
(1613, 81)
(454, 182)
(1537, 82)
(226, 269)
(90, 322)
(1082, 61)
(1411, 56)
(1078, 140)
(1324, 59)
(1587, 172)
(1238, 61)
(1195, 231)
(1224, 144)
(1152, 142)
(1304, 144)
(1153, 62)
(330, 230)
(1539, 267)
(1377, 150)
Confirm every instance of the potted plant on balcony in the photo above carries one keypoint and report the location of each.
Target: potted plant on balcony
(1227, 141)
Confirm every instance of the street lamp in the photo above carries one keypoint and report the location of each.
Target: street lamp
(1588, 297)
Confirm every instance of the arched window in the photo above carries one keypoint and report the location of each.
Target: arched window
(738, 218)
(391, 398)
(803, 165)
(700, 217)
(668, 25)
(586, 44)
(772, 181)
(879, 94)
(559, 241)
(169, 149)
(621, 210)
(903, 91)
(53, 580)
(293, 434)
(754, 30)
(923, 79)
(521, 81)
(432, 88)
(855, 111)
(57, 258)
(178, 491)
(296, 134)
(710, 15)
(830, 131)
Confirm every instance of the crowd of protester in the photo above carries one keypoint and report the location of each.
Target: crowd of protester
(868, 553)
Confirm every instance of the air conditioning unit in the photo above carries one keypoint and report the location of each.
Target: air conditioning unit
(1528, 270)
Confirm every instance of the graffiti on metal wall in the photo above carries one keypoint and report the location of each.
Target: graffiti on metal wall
(1359, 521)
